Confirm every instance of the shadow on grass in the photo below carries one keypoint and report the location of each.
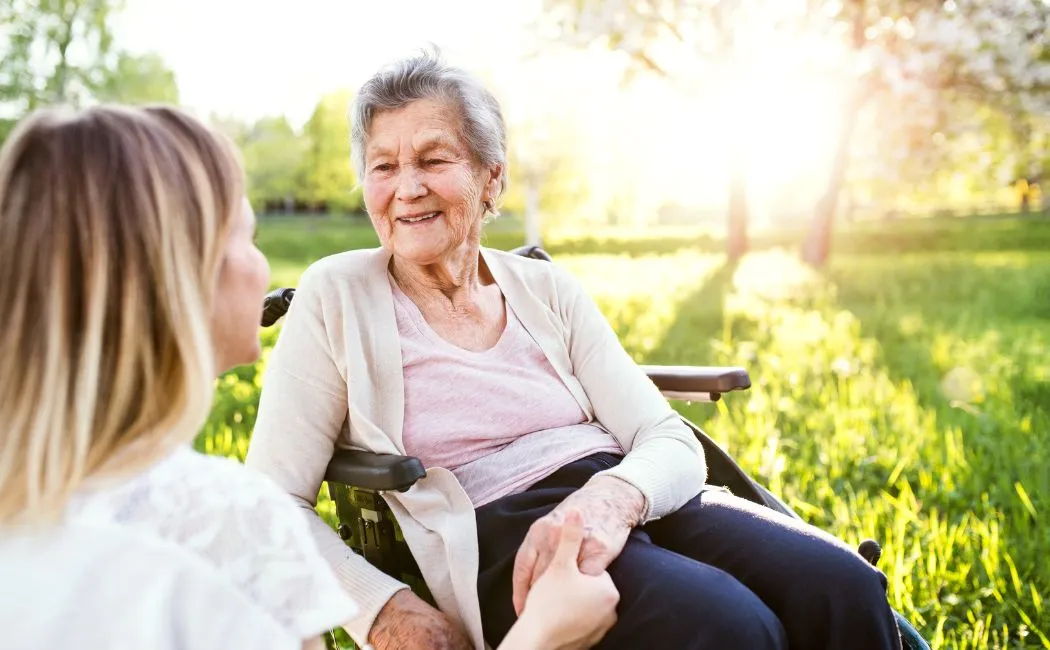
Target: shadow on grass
(698, 325)
(695, 338)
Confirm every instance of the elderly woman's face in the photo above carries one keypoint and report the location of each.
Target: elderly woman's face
(423, 188)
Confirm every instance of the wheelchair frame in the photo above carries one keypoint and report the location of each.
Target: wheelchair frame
(357, 479)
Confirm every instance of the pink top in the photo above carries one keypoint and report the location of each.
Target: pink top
(499, 420)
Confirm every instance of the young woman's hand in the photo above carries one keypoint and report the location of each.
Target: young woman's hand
(565, 609)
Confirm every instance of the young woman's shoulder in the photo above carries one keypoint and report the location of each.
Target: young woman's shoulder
(106, 586)
(238, 521)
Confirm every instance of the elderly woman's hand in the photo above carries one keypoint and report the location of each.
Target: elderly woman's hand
(407, 622)
(610, 508)
(566, 610)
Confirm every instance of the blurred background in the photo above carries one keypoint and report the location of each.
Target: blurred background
(850, 198)
(622, 113)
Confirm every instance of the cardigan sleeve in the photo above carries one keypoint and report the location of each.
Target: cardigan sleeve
(664, 460)
(302, 410)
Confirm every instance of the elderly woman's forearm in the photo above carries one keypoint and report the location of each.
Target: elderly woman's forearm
(668, 471)
(369, 587)
(664, 460)
(620, 497)
(406, 622)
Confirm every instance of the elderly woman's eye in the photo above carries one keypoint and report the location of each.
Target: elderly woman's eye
(430, 162)
(382, 167)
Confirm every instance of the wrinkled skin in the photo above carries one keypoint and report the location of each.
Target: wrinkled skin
(566, 609)
(609, 508)
(407, 622)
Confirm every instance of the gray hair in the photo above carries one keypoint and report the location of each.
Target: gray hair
(425, 76)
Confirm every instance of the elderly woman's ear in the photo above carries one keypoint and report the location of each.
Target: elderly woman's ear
(493, 188)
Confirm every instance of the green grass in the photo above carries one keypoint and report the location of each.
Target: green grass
(903, 394)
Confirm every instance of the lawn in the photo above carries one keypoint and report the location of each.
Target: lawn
(902, 394)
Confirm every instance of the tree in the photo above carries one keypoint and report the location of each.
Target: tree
(908, 55)
(273, 159)
(57, 51)
(141, 79)
(966, 92)
(62, 52)
(855, 16)
(545, 164)
(235, 128)
(924, 60)
(326, 175)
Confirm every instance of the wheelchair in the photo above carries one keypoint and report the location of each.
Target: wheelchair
(356, 479)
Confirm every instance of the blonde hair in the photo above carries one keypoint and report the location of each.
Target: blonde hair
(113, 224)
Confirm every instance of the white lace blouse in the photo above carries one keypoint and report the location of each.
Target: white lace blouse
(195, 553)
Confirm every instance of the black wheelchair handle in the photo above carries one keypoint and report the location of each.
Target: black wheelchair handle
(276, 304)
(535, 252)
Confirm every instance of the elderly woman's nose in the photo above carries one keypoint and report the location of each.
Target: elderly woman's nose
(410, 183)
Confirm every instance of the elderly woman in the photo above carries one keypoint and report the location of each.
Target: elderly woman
(503, 377)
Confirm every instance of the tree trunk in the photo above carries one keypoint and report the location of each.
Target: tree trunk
(1024, 144)
(62, 69)
(1044, 174)
(817, 246)
(737, 241)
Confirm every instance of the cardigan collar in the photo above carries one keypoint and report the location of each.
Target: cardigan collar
(387, 344)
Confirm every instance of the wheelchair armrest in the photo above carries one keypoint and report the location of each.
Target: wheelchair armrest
(697, 382)
(381, 472)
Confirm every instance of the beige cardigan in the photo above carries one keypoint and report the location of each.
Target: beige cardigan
(335, 380)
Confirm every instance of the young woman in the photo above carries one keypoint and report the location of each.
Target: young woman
(128, 280)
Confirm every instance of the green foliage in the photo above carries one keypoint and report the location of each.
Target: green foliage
(233, 413)
(902, 395)
(327, 174)
(55, 51)
(61, 52)
(553, 161)
(135, 79)
(273, 159)
(309, 166)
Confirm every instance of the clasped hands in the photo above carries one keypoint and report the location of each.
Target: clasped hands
(608, 507)
(562, 593)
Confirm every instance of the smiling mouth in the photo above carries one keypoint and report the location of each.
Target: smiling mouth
(419, 219)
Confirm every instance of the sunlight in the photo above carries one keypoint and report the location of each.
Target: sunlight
(775, 275)
(777, 112)
(638, 148)
(785, 118)
(791, 128)
(679, 147)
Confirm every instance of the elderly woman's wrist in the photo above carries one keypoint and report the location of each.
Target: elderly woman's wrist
(628, 501)
(393, 624)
